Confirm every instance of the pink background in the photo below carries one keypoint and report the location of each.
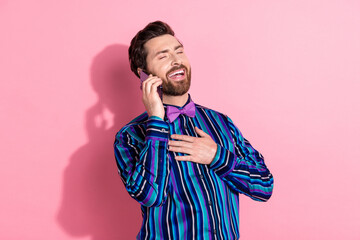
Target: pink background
(287, 73)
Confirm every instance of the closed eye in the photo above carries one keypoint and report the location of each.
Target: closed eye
(180, 50)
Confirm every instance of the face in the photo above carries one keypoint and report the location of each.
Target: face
(167, 60)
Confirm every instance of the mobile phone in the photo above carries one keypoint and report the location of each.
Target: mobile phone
(143, 77)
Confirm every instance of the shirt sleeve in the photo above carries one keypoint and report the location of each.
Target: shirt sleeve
(142, 163)
(244, 170)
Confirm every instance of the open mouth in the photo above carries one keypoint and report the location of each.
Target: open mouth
(178, 74)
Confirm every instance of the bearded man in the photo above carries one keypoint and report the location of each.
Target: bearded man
(184, 163)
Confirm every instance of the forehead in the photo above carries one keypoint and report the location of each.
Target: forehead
(161, 43)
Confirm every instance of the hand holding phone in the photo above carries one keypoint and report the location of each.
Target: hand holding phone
(143, 77)
(153, 106)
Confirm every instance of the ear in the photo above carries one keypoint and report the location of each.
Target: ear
(138, 70)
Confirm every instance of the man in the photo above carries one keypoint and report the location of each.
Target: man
(184, 163)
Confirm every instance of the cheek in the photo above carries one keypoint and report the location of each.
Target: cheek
(186, 62)
(159, 71)
(154, 69)
(163, 69)
(185, 58)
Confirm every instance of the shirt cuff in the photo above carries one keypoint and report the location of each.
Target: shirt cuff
(157, 129)
(224, 161)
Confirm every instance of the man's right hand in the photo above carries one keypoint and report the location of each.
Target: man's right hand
(151, 98)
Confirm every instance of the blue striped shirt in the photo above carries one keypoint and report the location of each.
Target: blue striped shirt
(187, 200)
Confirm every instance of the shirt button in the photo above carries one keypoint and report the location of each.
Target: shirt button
(214, 231)
(209, 202)
(163, 130)
(202, 176)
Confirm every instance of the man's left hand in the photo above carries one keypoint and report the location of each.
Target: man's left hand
(199, 149)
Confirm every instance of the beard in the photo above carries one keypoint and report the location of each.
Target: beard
(177, 88)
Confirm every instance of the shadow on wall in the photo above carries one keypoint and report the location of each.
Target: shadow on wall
(95, 202)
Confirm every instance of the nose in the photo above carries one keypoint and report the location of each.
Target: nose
(176, 60)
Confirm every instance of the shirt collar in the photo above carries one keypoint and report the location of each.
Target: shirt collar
(188, 100)
(166, 105)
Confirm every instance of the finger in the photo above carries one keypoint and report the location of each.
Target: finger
(156, 85)
(180, 150)
(145, 85)
(183, 137)
(180, 144)
(184, 158)
(145, 82)
(201, 132)
(148, 83)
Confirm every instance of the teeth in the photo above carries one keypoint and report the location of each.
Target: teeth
(177, 72)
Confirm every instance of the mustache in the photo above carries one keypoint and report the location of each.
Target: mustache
(176, 68)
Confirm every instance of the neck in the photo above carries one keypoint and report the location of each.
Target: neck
(175, 100)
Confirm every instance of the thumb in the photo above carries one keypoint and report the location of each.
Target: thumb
(201, 132)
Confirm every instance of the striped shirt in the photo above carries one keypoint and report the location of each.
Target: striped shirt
(187, 200)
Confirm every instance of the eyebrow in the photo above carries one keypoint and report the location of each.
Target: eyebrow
(167, 50)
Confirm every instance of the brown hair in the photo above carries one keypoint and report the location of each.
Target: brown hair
(137, 52)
